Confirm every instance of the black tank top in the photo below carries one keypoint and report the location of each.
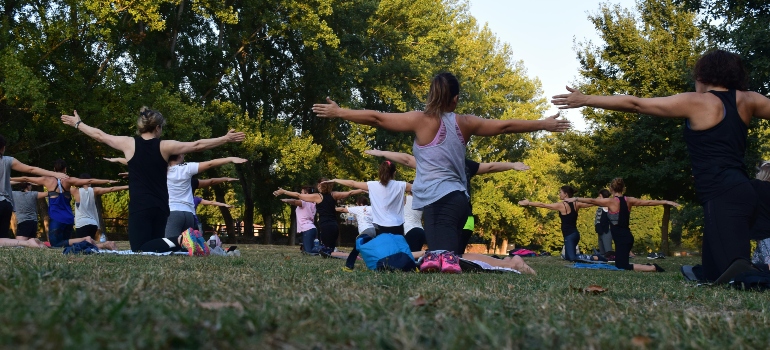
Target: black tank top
(327, 209)
(623, 215)
(569, 221)
(717, 154)
(147, 176)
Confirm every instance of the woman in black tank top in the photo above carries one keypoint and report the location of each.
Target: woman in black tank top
(147, 157)
(568, 213)
(326, 207)
(717, 115)
(620, 214)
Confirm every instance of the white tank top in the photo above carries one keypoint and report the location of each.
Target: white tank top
(85, 211)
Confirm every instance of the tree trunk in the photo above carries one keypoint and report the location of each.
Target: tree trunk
(219, 194)
(504, 247)
(248, 203)
(492, 244)
(268, 229)
(664, 229)
(292, 228)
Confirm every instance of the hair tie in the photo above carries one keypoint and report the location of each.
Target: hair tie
(387, 161)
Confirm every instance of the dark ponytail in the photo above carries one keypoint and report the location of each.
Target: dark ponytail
(568, 190)
(387, 172)
(443, 89)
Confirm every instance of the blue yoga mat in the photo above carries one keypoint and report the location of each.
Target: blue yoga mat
(595, 267)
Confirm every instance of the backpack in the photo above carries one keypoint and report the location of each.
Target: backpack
(386, 252)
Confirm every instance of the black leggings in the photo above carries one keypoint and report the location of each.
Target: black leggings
(328, 234)
(6, 210)
(415, 238)
(444, 221)
(146, 225)
(624, 241)
(727, 225)
(87, 230)
(162, 245)
(396, 230)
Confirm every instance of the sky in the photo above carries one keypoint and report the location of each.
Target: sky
(541, 33)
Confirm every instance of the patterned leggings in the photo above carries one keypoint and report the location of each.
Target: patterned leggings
(762, 253)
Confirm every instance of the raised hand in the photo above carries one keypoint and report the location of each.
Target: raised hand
(231, 179)
(237, 160)
(574, 99)
(373, 152)
(123, 175)
(70, 119)
(279, 192)
(235, 136)
(557, 125)
(520, 166)
(674, 204)
(327, 110)
(61, 176)
(524, 202)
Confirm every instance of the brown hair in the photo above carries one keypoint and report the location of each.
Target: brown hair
(604, 193)
(617, 185)
(325, 188)
(362, 200)
(443, 89)
(721, 68)
(568, 190)
(59, 165)
(149, 120)
(387, 172)
(308, 189)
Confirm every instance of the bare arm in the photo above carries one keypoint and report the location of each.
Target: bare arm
(398, 157)
(171, 147)
(552, 206)
(313, 197)
(123, 161)
(472, 125)
(28, 169)
(761, 105)
(217, 163)
(581, 205)
(74, 181)
(102, 190)
(342, 210)
(399, 122)
(33, 180)
(343, 195)
(350, 183)
(636, 202)
(294, 202)
(214, 181)
(683, 105)
(408, 187)
(41, 195)
(601, 202)
(487, 168)
(120, 143)
(214, 203)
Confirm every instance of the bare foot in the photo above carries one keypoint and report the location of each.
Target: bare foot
(109, 245)
(517, 263)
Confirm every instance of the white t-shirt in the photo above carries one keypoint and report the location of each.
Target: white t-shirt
(387, 202)
(363, 216)
(180, 195)
(412, 218)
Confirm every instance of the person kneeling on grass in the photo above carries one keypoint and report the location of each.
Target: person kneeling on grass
(761, 229)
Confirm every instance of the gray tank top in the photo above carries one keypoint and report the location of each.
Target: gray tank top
(440, 165)
(85, 211)
(5, 179)
(25, 205)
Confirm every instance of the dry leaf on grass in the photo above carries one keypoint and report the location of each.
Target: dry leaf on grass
(592, 289)
(216, 305)
(641, 341)
(419, 301)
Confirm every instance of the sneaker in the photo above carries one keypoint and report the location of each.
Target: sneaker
(326, 252)
(430, 262)
(188, 241)
(202, 244)
(450, 263)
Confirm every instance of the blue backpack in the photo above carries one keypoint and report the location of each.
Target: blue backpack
(386, 252)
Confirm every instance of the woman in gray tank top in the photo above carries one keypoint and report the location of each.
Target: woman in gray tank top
(439, 149)
(25, 205)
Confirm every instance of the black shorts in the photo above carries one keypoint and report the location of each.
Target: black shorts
(86, 231)
(27, 229)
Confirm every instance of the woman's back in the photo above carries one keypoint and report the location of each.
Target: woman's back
(147, 176)
(440, 164)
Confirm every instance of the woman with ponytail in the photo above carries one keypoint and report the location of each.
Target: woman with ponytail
(568, 213)
(619, 211)
(147, 157)
(439, 149)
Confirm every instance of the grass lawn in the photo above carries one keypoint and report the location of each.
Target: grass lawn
(273, 297)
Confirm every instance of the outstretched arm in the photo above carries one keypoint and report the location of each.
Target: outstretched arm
(28, 169)
(294, 202)
(398, 157)
(342, 210)
(33, 180)
(636, 202)
(214, 181)
(350, 183)
(102, 190)
(170, 147)
(218, 204)
(683, 105)
(399, 122)
(123, 161)
(218, 162)
(581, 205)
(343, 195)
(41, 195)
(74, 181)
(528, 203)
(120, 143)
(472, 125)
(312, 197)
(602, 202)
(487, 168)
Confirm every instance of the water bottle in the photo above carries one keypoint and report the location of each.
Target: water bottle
(212, 242)
(316, 245)
(103, 238)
